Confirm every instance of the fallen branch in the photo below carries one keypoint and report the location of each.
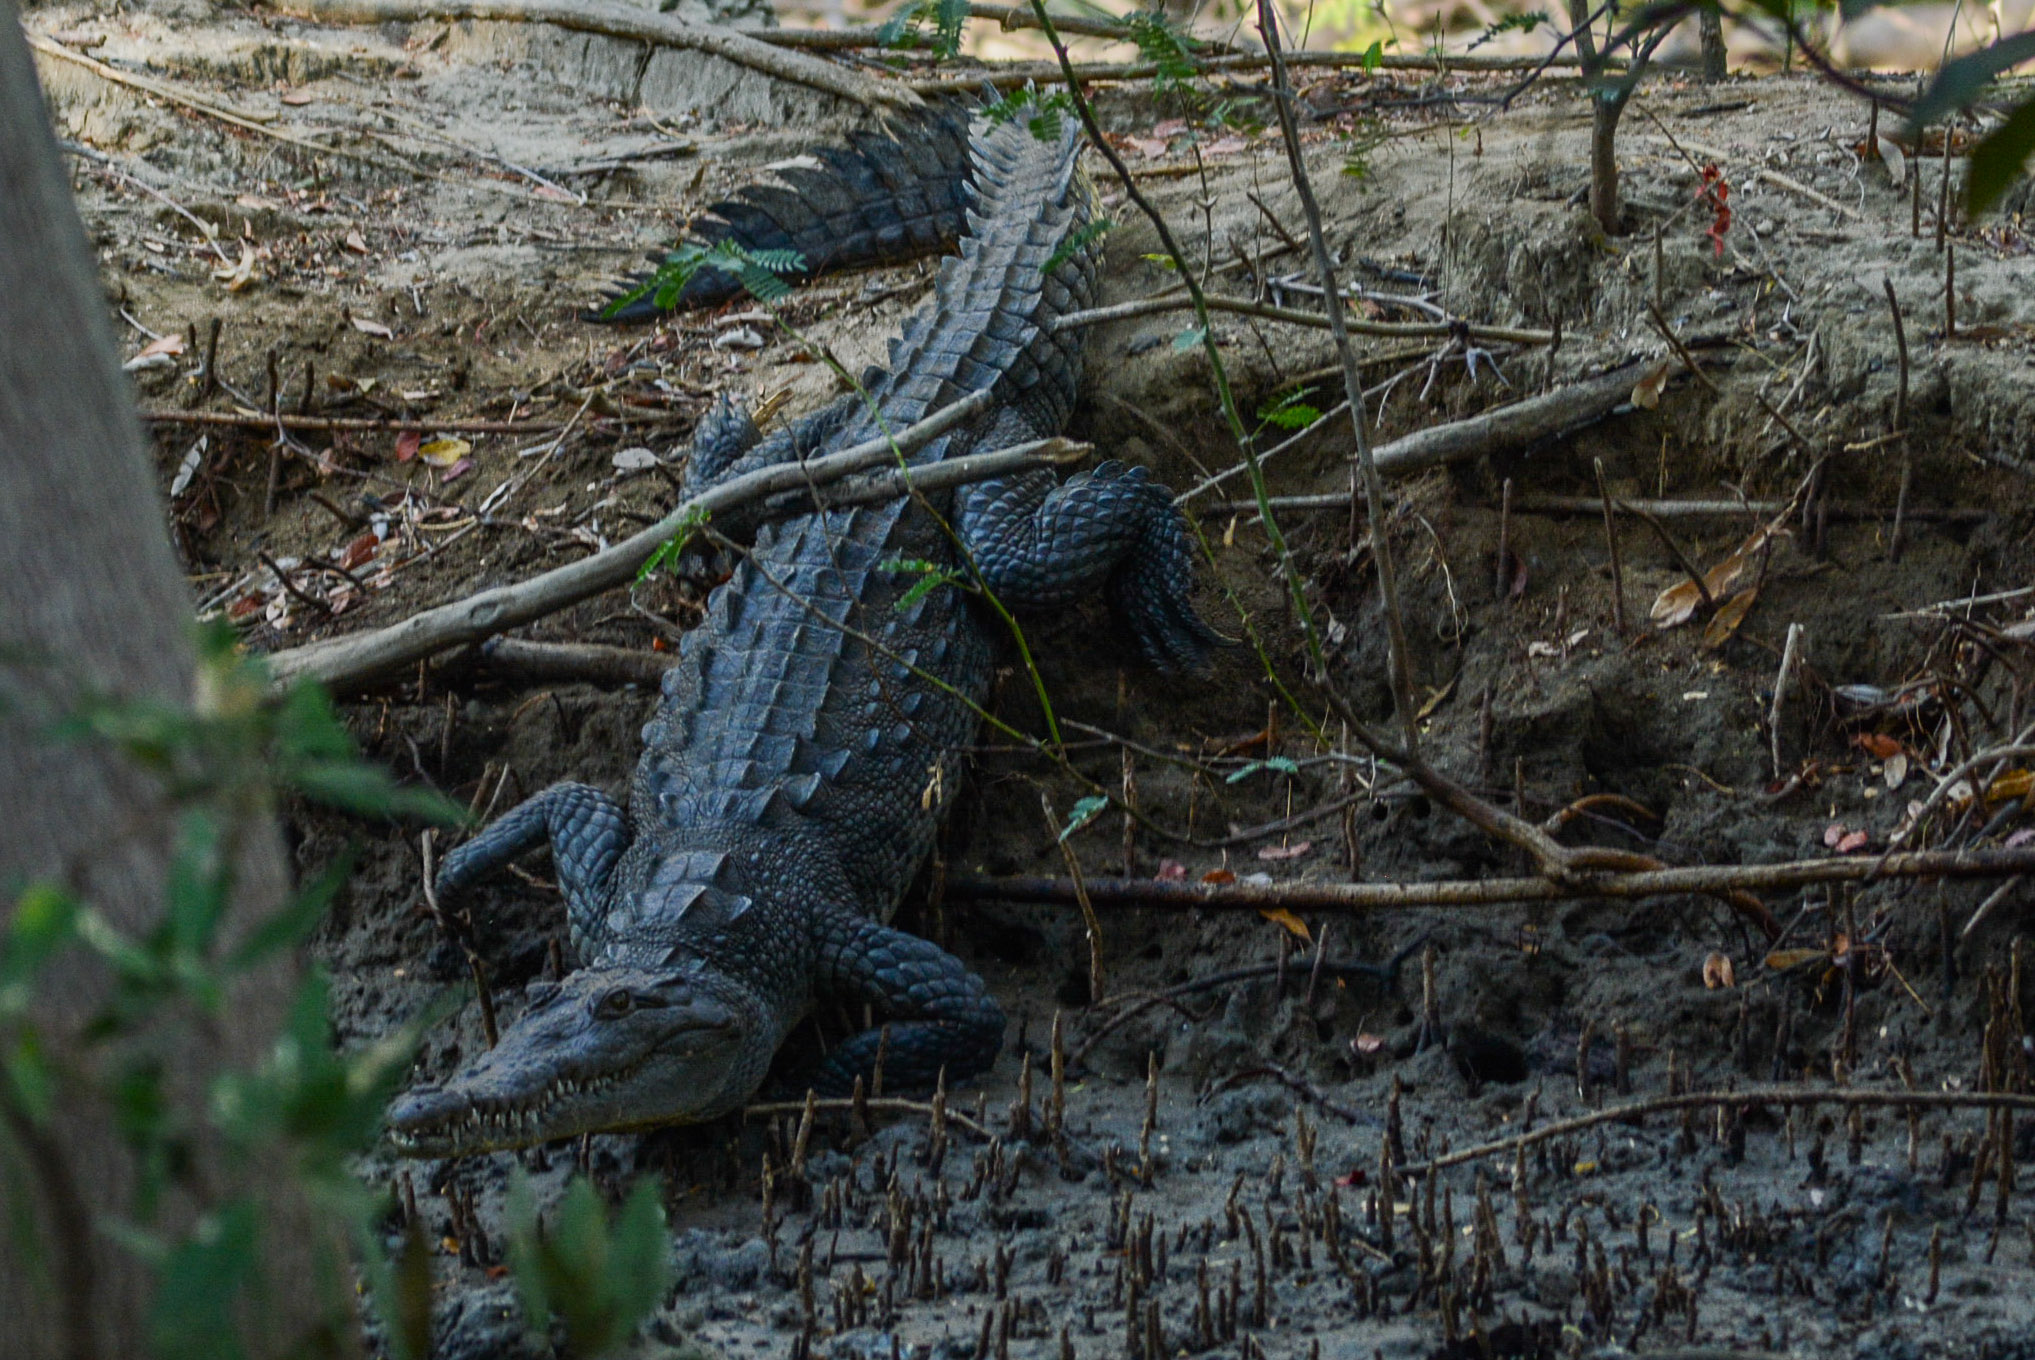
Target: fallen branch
(267, 423)
(1419, 330)
(1016, 74)
(352, 660)
(1501, 430)
(614, 20)
(868, 1105)
(582, 662)
(1494, 892)
(1006, 16)
(1701, 1100)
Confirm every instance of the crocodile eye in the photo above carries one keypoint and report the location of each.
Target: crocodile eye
(617, 1002)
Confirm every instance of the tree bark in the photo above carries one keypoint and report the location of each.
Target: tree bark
(92, 600)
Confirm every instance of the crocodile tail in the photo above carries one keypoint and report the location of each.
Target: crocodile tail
(885, 197)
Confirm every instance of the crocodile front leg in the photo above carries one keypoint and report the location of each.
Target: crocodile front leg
(588, 832)
(945, 1018)
(1038, 544)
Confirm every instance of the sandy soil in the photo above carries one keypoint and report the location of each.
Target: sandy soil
(496, 176)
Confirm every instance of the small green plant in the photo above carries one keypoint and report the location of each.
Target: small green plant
(931, 577)
(759, 271)
(295, 1120)
(1077, 241)
(1289, 412)
(1167, 46)
(1043, 113)
(601, 1280)
(933, 26)
(671, 549)
(1361, 144)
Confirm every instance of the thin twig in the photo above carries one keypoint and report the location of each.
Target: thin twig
(1353, 390)
(871, 1104)
(1180, 301)
(1752, 1097)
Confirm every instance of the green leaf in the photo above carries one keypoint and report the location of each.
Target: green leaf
(1960, 83)
(1085, 811)
(641, 1271)
(923, 587)
(1289, 412)
(1188, 339)
(45, 920)
(197, 1292)
(1077, 241)
(32, 1079)
(1374, 57)
(1166, 47)
(1281, 764)
(2000, 158)
(293, 924)
(671, 549)
(200, 887)
(369, 791)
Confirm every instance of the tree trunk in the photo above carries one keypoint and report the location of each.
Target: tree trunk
(92, 600)
(1605, 109)
(1716, 59)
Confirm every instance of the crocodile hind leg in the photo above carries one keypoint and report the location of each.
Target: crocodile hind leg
(945, 1020)
(1041, 544)
(588, 832)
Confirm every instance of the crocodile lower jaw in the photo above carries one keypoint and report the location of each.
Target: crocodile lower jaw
(529, 1121)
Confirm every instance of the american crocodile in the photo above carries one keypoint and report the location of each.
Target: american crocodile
(793, 776)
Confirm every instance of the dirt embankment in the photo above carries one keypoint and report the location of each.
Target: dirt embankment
(425, 269)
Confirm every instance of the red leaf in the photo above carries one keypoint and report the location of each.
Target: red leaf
(407, 444)
(359, 551)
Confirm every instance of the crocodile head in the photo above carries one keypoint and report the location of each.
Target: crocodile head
(605, 1051)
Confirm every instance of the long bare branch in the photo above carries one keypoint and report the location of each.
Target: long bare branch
(1496, 892)
(360, 657)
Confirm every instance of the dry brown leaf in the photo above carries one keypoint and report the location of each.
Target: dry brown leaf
(1877, 744)
(1896, 161)
(360, 551)
(1678, 603)
(374, 328)
(1368, 1043)
(1218, 876)
(356, 243)
(173, 343)
(240, 276)
(1293, 925)
(1718, 972)
(1646, 393)
(1171, 871)
(297, 99)
(1724, 623)
(1781, 960)
(1293, 851)
(1896, 771)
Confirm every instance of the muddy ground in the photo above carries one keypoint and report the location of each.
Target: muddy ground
(496, 175)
